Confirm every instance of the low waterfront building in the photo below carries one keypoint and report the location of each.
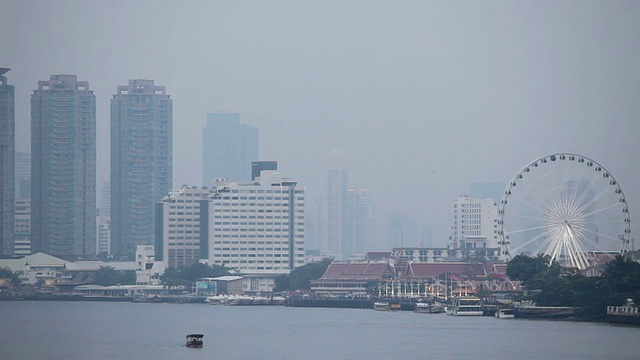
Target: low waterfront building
(126, 291)
(352, 278)
(36, 267)
(448, 254)
(226, 285)
(398, 278)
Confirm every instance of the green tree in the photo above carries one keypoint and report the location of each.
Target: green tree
(190, 274)
(531, 270)
(300, 278)
(6, 273)
(108, 275)
(621, 280)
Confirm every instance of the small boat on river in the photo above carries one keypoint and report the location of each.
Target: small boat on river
(381, 306)
(194, 341)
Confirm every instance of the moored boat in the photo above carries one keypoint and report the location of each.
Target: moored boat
(629, 313)
(505, 314)
(428, 308)
(381, 306)
(466, 306)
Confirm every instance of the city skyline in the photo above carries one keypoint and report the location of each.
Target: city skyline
(424, 98)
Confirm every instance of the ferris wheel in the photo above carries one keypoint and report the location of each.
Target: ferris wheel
(566, 206)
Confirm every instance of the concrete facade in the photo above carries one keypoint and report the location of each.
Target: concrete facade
(63, 167)
(475, 223)
(334, 212)
(7, 163)
(141, 162)
(257, 227)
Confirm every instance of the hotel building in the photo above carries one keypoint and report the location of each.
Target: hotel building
(255, 227)
(475, 223)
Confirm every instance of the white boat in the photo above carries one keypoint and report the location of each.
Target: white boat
(466, 306)
(428, 308)
(381, 306)
(505, 314)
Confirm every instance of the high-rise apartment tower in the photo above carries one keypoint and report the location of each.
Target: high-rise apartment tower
(7, 163)
(141, 162)
(63, 167)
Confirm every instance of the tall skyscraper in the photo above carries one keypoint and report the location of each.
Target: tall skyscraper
(63, 167)
(228, 148)
(23, 175)
(360, 223)
(7, 163)
(334, 214)
(141, 162)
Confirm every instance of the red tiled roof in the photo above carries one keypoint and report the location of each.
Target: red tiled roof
(336, 269)
(430, 270)
(355, 271)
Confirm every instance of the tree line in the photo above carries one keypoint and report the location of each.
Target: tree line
(548, 284)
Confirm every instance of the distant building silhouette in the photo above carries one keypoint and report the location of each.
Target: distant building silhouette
(7, 163)
(334, 212)
(228, 148)
(63, 167)
(23, 175)
(360, 229)
(258, 166)
(141, 162)
(487, 190)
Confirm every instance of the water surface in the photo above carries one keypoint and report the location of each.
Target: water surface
(106, 330)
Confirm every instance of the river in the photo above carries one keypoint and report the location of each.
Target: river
(108, 330)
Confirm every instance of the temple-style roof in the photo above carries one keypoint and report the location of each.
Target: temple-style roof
(357, 271)
(431, 270)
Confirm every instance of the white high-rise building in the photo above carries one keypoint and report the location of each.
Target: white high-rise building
(474, 223)
(257, 227)
(334, 214)
(181, 226)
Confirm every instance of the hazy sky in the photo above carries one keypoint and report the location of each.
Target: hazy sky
(474, 90)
